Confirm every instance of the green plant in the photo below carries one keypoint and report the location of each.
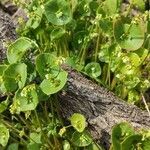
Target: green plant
(125, 137)
(94, 37)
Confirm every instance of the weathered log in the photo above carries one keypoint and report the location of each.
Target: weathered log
(101, 107)
(7, 32)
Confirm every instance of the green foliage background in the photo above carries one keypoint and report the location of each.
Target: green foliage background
(95, 37)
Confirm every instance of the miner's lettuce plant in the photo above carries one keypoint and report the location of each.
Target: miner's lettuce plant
(97, 38)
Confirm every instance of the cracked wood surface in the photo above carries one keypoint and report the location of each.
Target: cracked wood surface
(7, 32)
(101, 107)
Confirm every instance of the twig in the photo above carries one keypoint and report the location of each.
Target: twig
(146, 106)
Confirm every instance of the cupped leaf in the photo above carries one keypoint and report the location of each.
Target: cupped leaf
(119, 133)
(57, 33)
(4, 135)
(81, 139)
(47, 63)
(129, 36)
(52, 85)
(131, 142)
(78, 121)
(25, 100)
(15, 76)
(17, 49)
(93, 69)
(58, 12)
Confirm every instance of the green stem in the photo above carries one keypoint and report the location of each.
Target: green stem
(45, 136)
(97, 44)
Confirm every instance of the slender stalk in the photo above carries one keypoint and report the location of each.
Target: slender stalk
(97, 44)
(146, 106)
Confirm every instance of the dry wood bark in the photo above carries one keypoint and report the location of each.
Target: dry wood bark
(101, 107)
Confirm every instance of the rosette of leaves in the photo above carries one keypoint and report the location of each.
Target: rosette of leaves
(58, 12)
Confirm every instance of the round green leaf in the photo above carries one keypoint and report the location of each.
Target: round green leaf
(17, 49)
(81, 139)
(129, 36)
(93, 69)
(57, 33)
(53, 85)
(25, 100)
(58, 12)
(130, 142)
(119, 133)
(78, 121)
(15, 76)
(4, 135)
(47, 63)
